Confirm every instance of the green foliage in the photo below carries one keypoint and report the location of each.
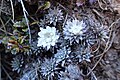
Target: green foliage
(18, 42)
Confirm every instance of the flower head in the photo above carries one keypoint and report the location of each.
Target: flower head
(47, 37)
(74, 29)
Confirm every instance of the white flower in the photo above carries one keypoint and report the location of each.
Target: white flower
(74, 28)
(47, 37)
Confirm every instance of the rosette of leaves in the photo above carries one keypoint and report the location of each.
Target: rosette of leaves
(82, 37)
(17, 63)
(54, 15)
(103, 33)
(32, 71)
(47, 66)
(84, 55)
(61, 54)
(30, 75)
(72, 72)
(74, 30)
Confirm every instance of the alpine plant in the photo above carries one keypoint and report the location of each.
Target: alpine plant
(73, 30)
(47, 37)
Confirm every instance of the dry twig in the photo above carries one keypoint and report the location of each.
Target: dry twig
(3, 26)
(25, 15)
(6, 73)
(12, 9)
(100, 4)
(65, 20)
(108, 44)
(1, 7)
(92, 74)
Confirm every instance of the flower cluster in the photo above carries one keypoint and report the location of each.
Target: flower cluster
(47, 37)
(73, 29)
